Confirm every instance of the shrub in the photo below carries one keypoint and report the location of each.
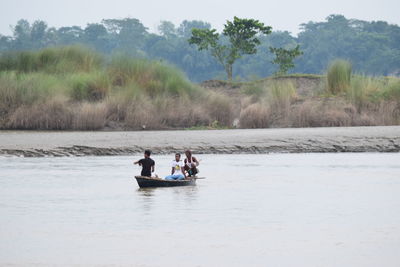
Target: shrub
(90, 116)
(141, 114)
(66, 59)
(154, 78)
(281, 94)
(392, 90)
(255, 115)
(339, 74)
(54, 114)
(26, 89)
(219, 108)
(89, 86)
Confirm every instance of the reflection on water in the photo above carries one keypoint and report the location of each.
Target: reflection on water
(284, 209)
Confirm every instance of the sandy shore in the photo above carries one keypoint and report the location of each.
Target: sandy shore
(288, 140)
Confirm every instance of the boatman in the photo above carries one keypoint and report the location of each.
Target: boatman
(177, 171)
(191, 164)
(147, 164)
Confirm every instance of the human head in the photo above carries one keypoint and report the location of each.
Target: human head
(177, 156)
(147, 153)
(188, 153)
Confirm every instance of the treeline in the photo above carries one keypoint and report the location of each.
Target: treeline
(372, 47)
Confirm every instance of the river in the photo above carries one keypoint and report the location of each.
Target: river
(330, 209)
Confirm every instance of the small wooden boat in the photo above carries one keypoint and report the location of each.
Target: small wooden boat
(144, 181)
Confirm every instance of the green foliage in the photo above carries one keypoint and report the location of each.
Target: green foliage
(392, 89)
(284, 58)
(339, 74)
(254, 89)
(281, 93)
(52, 60)
(151, 77)
(89, 86)
(372, 47)
(364, 90)
(242, 36)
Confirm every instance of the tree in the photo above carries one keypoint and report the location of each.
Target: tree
(167, 29)
(185, 28)
(96, 35)
(129, 33)
(284, 58)
(22, 35)
(69, 35)
(39, 34)
(241, 35)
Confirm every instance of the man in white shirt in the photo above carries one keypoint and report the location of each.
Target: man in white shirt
(177, 171)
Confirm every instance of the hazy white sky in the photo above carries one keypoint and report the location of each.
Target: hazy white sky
(280, 14)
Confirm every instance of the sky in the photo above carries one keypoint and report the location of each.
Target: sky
(283, 15)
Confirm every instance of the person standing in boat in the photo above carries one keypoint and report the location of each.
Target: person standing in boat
(191, 164)
(147, 164)
(177, 171)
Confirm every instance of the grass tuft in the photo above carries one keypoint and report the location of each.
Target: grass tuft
(338, 76)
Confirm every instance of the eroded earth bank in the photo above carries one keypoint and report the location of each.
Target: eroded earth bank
(288, 140)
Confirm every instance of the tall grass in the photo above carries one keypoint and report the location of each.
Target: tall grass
(54, 114)
(256, 115)
(53, 60)
(338, 76)
(75, 88)
(364, 89)
(392, 89)
(281, 94)
(37, 88)
(153, 78)
(89, 86)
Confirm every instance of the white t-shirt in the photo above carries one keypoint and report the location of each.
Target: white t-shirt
(177, 165)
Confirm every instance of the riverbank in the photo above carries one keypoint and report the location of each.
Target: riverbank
(75, 89)
(287, 140)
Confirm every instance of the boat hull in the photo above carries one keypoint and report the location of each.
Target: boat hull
(144, 181)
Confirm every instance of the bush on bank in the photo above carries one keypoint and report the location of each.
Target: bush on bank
(73, 88)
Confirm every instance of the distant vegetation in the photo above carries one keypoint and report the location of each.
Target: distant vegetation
(75, 88)
(373, 48)
(116, 75)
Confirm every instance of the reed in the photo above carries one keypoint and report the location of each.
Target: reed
(256, 115)
(66, 59)
(280, 95)
(73, 88)
(90, 116)
(92, 86)
(338, 76)
(53, 114)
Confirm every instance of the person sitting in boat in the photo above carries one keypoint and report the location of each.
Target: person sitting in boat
(177, 171)
(191, 164)
(147, 164)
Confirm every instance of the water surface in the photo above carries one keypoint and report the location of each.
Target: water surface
(251, 210)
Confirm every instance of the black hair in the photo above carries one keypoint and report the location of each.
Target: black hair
(147, 152)
(178, 154)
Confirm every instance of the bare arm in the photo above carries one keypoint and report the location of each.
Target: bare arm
(196, 161)
(152, 168)
(172, 170)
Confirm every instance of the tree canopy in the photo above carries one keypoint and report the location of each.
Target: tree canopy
(242, 36)
(371, 47)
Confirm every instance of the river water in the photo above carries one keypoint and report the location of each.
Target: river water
(251, 210)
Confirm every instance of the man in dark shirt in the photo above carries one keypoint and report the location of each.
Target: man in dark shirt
(147, 164)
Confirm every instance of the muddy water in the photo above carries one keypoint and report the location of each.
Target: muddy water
(251, 210)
